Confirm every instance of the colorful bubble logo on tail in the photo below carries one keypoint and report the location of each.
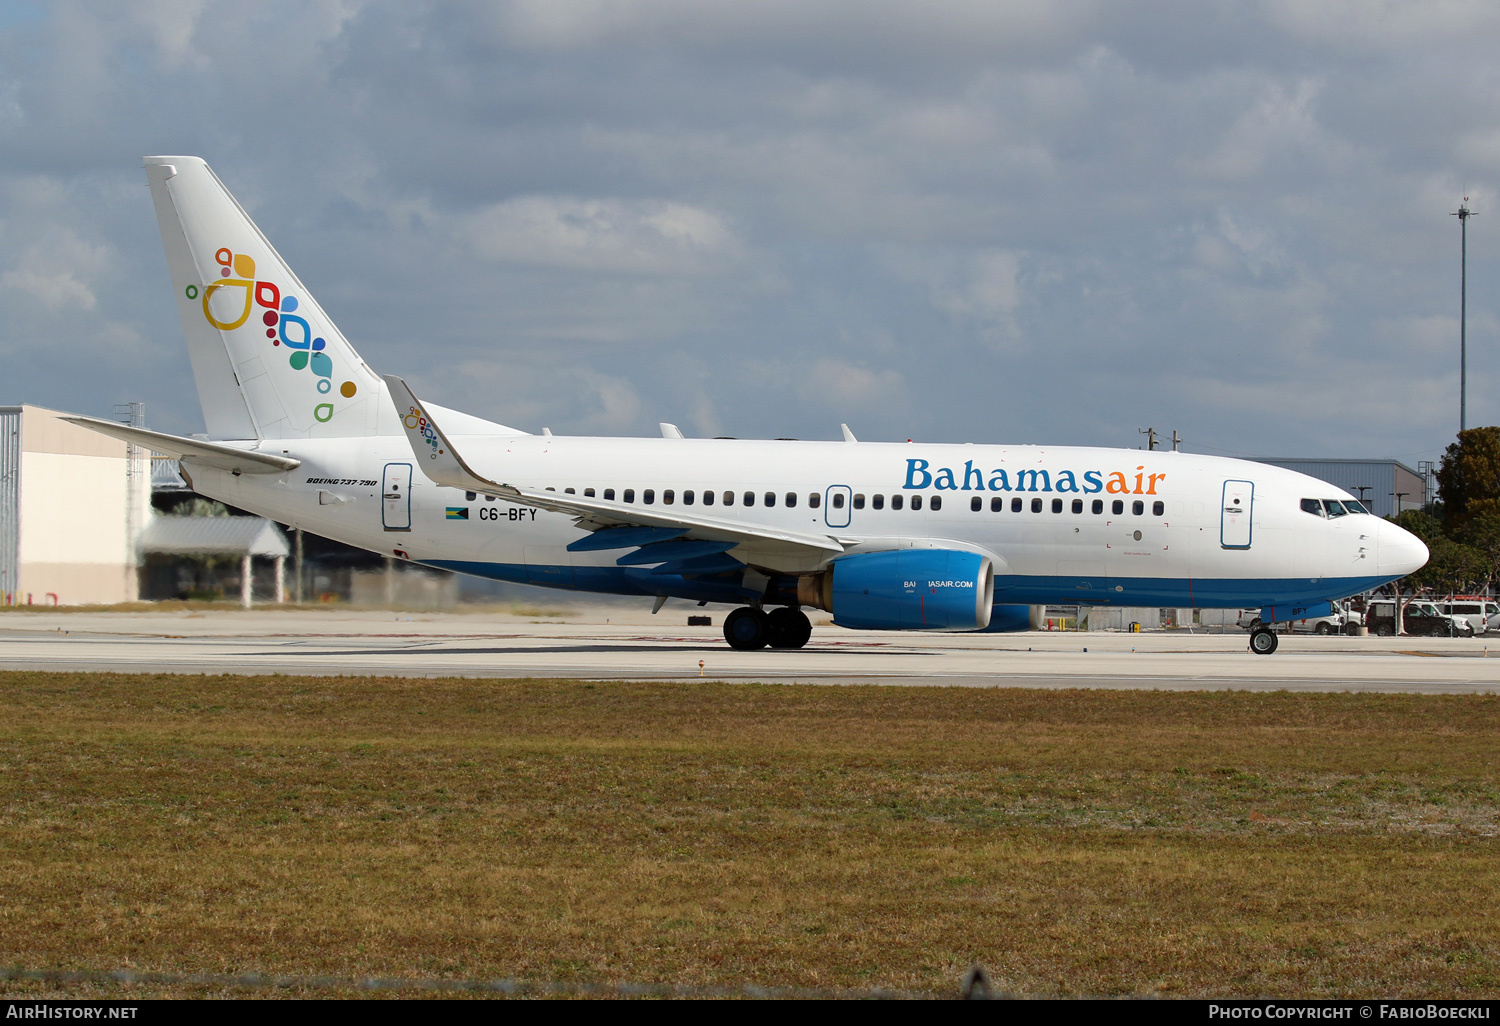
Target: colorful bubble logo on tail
(241, 293)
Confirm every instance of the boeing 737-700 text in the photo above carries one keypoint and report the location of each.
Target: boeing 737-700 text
(883, 536)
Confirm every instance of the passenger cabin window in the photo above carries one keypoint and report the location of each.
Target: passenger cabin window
(937, 503)
(708, 498)
(1117, 507)
(588, 493)
(609, 495)
(1036, 505)
(630, 495)
(1158, 508)
(859, 501)
(1312, 506)
(1077, 505)
(897, 501)
(668, 497)
(1015, 505)
(791, 499)
(1097, 507)
(814, 500)
(838, 500)
(1137, 507)
(916, 502)
(470, 496)
(648, 496)
(997, 504)
(1057, 505)
(976, 504)
(770, 498)
(570, 491)
(749, 498)
(687, 497)
(729, 498)
(878, 501)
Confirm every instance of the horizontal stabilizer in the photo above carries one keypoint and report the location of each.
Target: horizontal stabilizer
(210, 454)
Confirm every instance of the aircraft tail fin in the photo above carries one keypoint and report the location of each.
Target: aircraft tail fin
(267, 361)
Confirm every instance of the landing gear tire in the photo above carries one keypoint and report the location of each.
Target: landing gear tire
(1263, 641)
(747, 629)
(788, 628)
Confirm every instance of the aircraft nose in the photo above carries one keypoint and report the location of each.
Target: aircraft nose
(1398, 551)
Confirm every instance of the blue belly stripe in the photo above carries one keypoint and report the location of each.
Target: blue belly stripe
(1010, 590)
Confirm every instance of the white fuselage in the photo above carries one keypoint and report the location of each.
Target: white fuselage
(1094, 526)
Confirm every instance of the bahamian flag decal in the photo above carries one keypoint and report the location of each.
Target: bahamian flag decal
(458, 512)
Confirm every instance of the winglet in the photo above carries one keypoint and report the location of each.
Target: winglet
(848, 435)
(435, 454)
(670, 430)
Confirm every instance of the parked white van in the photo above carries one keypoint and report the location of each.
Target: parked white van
(1483, 613)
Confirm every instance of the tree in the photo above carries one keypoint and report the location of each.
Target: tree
(1482, 534)
(1451, 568)
(1469, 477)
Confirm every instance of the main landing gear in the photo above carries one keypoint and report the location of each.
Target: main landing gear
(750, 628)
(1263, 641)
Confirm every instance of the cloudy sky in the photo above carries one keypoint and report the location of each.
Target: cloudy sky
(1019, 221)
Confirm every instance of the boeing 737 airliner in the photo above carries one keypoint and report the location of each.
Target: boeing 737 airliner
(883, 536)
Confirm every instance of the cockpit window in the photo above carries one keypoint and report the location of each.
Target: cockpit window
(1355, 506)
(1335, 507)
(1312, 506)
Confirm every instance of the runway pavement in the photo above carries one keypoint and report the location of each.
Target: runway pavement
(611, 643)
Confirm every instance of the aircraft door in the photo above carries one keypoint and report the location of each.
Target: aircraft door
(837, 503)
(395, 492)
(1237, 508)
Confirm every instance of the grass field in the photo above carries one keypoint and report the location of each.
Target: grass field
(1073, 842)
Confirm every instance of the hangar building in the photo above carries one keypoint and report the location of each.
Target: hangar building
(72, 503)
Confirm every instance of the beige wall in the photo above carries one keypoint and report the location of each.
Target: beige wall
(73, 526)
(76, 584)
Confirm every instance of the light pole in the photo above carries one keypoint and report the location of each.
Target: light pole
(1463, 213)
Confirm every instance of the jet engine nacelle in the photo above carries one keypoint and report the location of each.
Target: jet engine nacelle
(905, 590)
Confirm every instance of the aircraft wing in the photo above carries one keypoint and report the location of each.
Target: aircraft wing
(443, 464)
(211, 454)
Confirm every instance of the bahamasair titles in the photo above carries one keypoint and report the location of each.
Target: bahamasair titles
(883, 536)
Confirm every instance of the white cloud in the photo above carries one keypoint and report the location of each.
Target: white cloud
(53, 271)
(623, 236)
(841, 386)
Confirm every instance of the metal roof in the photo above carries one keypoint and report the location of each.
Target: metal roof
(214, 536)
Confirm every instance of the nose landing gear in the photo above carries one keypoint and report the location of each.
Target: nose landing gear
(1263, 641)
(748, 628)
